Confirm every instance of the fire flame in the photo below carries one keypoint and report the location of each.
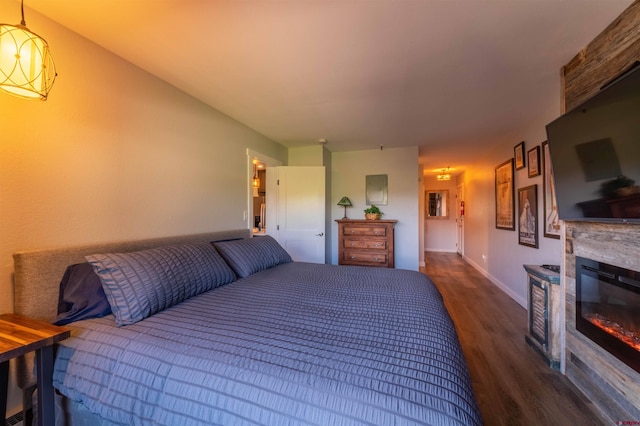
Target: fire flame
(629, 337)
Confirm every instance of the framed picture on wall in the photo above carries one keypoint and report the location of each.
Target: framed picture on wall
(376, 189)
(533, 156)
(518, 155)
(528, 216)
(505, 196)
(551, 219)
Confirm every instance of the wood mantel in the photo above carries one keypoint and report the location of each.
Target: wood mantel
(612, 52)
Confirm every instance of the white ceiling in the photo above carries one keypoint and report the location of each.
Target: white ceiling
(446, 75)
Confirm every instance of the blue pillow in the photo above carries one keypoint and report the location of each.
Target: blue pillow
(142, 283)
(252, 255)
(81, 295)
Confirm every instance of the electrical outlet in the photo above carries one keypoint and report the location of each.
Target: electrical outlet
(244, 215)
(484, 258)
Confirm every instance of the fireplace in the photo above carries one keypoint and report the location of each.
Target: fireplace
(608, 308)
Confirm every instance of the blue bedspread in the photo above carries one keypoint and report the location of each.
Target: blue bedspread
(296, 344)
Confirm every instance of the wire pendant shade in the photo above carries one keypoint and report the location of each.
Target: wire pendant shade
(255, 182)
(26, 66)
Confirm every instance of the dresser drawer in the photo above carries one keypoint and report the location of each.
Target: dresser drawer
(359, 258)
(365, 230)
(367, 244)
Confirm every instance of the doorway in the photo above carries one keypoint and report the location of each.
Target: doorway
(300, 198)
(460, 219)
(259, 194)
(258, 197)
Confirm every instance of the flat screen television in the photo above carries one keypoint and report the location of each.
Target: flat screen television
(595, 155)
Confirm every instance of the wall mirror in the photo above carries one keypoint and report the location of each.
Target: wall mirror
(436, 202)
(376, 190)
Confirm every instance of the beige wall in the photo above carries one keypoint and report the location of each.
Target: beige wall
(504, 255)
(115, 153)
(348, 172)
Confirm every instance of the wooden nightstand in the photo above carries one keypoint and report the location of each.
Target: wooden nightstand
(18, 336)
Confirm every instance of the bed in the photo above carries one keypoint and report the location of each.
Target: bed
(272, 342)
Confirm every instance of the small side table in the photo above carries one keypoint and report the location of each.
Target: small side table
(18, 336)
(544, 304)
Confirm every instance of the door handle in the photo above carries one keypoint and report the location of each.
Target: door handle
(320, 234)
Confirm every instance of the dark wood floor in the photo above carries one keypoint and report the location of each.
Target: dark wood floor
(512, 383)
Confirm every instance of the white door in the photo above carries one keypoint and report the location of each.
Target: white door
(300, 211)
(460, 219)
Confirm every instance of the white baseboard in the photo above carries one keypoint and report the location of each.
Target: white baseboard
(447, 250)
(498, 283)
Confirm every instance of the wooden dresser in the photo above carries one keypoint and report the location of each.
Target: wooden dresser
(366, 242)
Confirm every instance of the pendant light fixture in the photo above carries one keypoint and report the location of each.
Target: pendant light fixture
(255, 182)
(26, 66)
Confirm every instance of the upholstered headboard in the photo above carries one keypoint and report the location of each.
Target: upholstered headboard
(38, 273)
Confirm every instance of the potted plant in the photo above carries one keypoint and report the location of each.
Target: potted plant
(619, 187)
(372, 213)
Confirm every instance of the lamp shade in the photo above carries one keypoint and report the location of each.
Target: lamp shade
(26, 66)
(345, 201)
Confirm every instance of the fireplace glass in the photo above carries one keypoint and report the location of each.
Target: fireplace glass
(608, 308)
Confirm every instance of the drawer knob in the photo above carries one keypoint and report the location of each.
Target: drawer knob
(353, 257)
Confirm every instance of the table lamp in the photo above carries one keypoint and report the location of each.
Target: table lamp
(345, 202)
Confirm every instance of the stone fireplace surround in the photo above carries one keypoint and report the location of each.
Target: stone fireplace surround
(608, 308)
(612, 386)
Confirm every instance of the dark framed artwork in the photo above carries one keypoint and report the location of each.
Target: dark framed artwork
(551, 219)
(528, 216)
(533, 159)
(505, 217)
(518, 155)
